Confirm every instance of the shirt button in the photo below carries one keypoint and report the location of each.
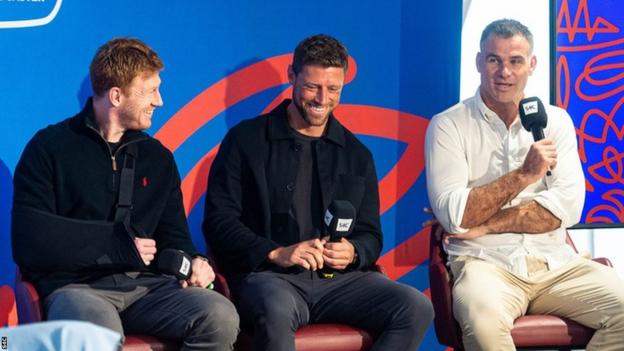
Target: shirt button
(290, 187)
(297, 147)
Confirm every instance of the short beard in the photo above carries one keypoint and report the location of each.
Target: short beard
(302, 112)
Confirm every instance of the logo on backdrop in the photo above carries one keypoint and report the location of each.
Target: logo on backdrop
(28, 13)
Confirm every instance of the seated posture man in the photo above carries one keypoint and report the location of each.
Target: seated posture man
(268, 189)
(96, 200)
(490, 187)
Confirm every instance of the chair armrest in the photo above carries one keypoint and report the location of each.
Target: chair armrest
(221, 286)
(603, 260)
(29, 308)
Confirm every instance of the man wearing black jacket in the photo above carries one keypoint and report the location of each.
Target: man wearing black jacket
(92, 252)
(268, 188)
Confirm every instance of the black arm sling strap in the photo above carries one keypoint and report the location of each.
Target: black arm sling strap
(124, 201)
(126, 186)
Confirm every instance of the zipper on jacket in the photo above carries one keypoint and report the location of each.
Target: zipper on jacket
(113, 156)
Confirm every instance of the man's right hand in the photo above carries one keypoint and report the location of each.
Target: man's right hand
(541, 157)
(307, 254)
(146, 248)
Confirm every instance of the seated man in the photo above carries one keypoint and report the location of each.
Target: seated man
(490, 188)
(268, 189)
(96, 200)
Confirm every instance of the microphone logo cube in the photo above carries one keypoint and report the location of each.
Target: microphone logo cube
(328, 218)
(343, 224)
(530, 108)
(185, 267)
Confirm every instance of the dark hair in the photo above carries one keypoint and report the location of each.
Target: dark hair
(506, 28)
(119, 61)
(320, 50)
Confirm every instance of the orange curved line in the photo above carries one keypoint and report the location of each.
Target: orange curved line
(227, 92)
(590, 47)
(585, 76)
(563, 69)
(221, 95)
(286, 94)
(610, 156)
(600, 25)
(592, 218)
(406, 256)
(589, 186)
(194, 183)
(395, 125)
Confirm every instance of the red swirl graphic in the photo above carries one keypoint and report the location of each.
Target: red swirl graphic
(600, 80)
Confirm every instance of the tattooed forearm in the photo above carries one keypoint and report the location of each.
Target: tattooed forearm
(529, 217)
(485, 201)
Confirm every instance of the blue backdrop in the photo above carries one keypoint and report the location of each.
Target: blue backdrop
(226, 61)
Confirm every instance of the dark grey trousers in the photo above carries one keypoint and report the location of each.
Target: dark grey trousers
(277, 304)
(152, 305)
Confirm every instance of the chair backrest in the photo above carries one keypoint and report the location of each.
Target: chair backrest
(28, 303)
(446, 327)
(30, 310)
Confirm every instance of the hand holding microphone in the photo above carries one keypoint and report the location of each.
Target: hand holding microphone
(339, 222)
(543, 154)
(189, 271)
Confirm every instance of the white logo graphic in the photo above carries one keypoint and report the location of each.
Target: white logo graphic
(35, 21)
(530, 107)
(186, 266)
(343, 224)
(328, 217)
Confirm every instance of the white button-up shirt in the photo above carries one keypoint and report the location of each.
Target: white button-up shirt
(467, 146)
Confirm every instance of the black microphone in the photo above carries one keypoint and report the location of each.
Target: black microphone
(339, 222)
(533, 117)
(176, 263)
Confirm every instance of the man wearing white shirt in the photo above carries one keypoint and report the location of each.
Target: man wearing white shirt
(506, 218)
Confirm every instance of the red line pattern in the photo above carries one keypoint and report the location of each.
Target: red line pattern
(601, 79)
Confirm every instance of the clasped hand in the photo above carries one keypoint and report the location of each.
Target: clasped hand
(314, 254)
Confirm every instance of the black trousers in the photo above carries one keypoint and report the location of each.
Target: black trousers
(150, 304)
(277, 304)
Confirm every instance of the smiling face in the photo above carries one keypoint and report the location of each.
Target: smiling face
(505, 65)
(139, 100)
(316, 93)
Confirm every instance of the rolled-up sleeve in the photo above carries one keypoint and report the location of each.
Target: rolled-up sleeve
(447, 173)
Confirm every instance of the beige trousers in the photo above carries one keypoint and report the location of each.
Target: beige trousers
(487, 299)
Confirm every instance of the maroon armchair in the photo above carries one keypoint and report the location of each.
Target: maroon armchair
(530, 331)
(313, 337)
(29, 310)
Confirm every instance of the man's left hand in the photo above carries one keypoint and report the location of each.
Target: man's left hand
(473, 233)
(338, 255)
(202, 274)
